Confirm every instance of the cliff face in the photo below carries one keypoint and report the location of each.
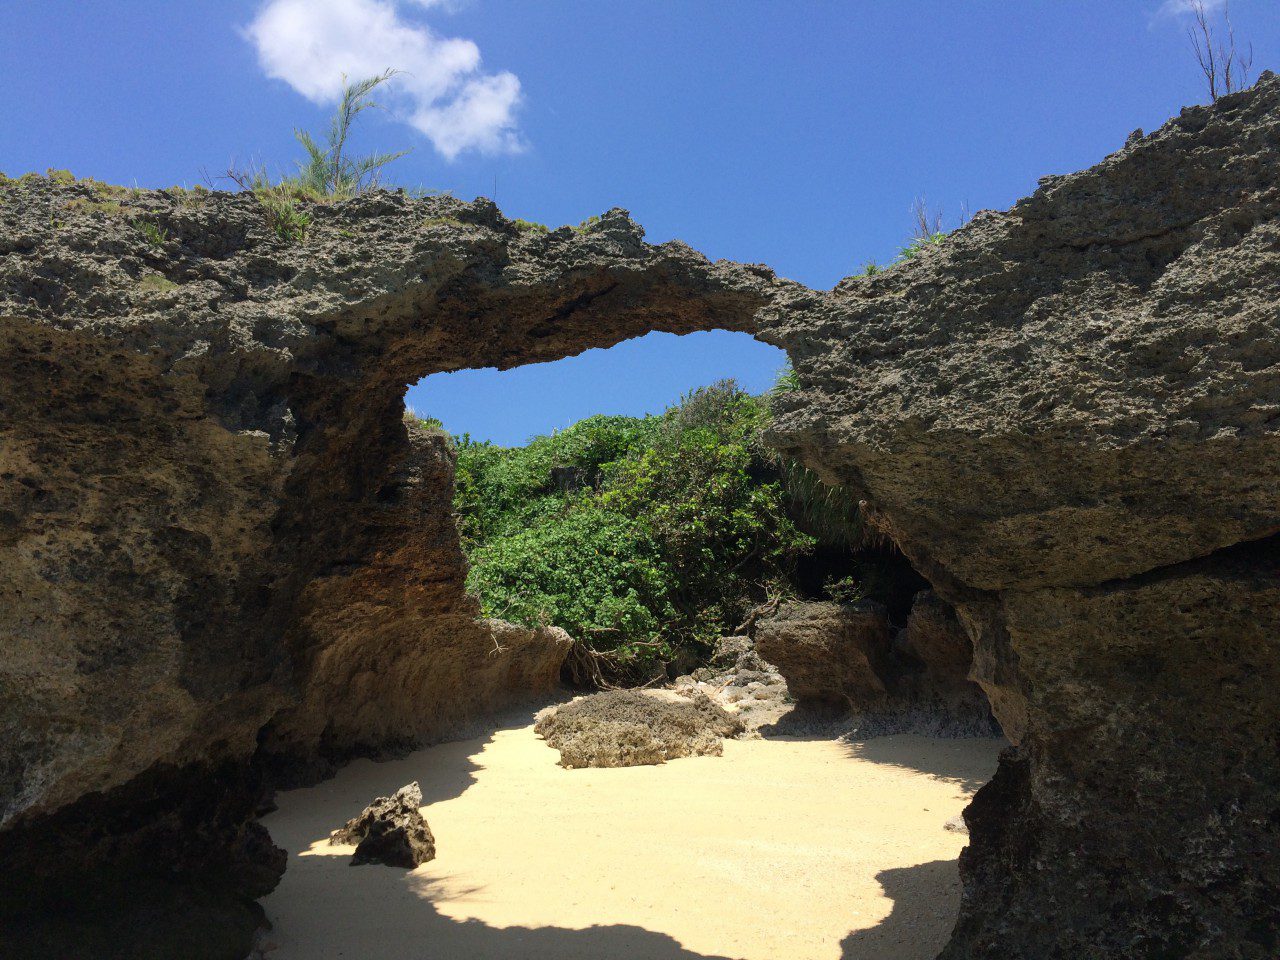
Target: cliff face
(221, 549)
(1068, 416)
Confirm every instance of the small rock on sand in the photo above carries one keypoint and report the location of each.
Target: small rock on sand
(390, 830)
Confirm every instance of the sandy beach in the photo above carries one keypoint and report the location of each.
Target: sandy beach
(795, 848)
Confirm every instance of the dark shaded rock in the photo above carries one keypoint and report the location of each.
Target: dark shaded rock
(1068, 417)
(627, 728)
(219, 541)
(165, 866)
(841, 664)
(829, 653)
(934, 658)
(391, 830)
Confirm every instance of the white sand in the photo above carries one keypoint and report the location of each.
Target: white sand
(791, 849)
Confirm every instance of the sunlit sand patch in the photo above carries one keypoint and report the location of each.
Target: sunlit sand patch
(780, 848)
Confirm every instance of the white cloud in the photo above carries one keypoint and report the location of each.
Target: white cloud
(1176, 7)
(441, 90)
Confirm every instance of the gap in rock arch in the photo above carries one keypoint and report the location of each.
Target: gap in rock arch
(635, 377)
(657, 861)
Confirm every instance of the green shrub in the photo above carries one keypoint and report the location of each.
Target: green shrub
(919, 244)
(155, 235)
(585, 568)
(640, 536)
(285, 217)
(329, 173)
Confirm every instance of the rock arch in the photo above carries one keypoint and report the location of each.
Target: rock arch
(216, 548)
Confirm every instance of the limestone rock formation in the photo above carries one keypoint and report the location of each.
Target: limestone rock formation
(1068, 416)
(391, 831)
(829, 653)
(846, 659)
(934, 658)
(739, 680)
(222, 552)
(629, 728)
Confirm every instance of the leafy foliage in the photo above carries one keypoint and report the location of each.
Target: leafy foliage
(640, 536)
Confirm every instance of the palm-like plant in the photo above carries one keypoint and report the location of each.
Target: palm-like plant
(330, 172)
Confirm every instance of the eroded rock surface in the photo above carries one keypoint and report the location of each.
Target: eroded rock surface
(830, 653)
(933, 666)
(629, 728)
(391, 831)
(1068, 417)
(847, 665)
(221, 548)
(739, 680)
(214, 553)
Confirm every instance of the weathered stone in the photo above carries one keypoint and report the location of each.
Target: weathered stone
(628, 728)
(729, 651)
(934, 657)
(842, 657)
(829, 653)
(391, 831)
(1068, 417)
(219, 541)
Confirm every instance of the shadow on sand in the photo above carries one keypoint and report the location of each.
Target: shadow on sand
(949, 759)
(394, 916)
(922, 896)
(351, 789)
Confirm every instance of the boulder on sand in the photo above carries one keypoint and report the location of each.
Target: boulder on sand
(390, 830)
(629, 728)
(830, 653)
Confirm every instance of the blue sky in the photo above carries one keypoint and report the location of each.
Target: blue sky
(791, 133)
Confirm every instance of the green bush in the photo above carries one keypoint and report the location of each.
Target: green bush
(640, 536)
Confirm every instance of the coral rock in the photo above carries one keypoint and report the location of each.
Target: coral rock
(391, 830)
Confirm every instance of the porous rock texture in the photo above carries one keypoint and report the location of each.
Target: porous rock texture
(829, 653)
(1065, 415)
(739, 680)
(846, 663)
(391, 831)
(934, 659)
(632, 728)
(223, 552)
(1068, 416)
